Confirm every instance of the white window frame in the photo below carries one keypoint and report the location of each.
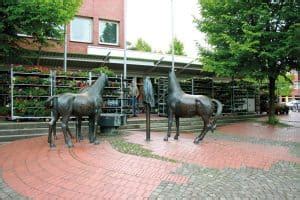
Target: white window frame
(107, 43)
(91, 30)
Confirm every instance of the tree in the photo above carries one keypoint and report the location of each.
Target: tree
(284, 85)
(141, 45)
(250, 38)
(178, 48)
(39, 19)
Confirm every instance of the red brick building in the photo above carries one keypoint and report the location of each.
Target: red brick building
(94, 19)
(95, 37)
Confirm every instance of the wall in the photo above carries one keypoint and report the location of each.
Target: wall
(96, 9)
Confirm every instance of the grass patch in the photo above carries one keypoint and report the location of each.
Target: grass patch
(123, 146)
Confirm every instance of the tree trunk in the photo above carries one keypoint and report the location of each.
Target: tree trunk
(271, 97)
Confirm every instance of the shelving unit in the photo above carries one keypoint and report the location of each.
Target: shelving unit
(4, 93)
(28, 91)
(23, 93)
(202, 86)
(187, 86)
(162, 94)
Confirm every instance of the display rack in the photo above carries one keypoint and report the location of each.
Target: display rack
(162, 90)
(28, 92)
(4, 93)
(202, 86)
(186, 85)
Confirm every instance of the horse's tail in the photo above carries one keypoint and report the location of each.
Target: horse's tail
(219, 111)
(220, 107)
(48, 103)
(148, 92)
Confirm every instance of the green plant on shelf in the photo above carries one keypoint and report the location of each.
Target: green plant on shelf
(4, 111)
(65, 90)
(73, 73)
(31, 69)
(31, 91)
(105, 69)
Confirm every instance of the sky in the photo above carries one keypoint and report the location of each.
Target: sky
(151, 21)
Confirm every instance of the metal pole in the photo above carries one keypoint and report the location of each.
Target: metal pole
(12, 91)
(65, 48)
(172, 30)
(147, 105)
(125, 38)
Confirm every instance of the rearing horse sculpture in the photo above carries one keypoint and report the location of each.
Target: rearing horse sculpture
(185, 105)
(86, 103)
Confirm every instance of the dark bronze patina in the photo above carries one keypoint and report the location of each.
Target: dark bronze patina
(148, 102)
(86, 103)
(181, 104)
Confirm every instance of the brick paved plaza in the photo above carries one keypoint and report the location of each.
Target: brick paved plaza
(248, 160)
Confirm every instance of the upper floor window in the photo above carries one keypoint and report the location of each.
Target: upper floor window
(81, 29)
(108, 32)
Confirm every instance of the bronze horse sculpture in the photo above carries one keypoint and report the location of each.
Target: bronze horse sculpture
(181, 104)
(86, 103)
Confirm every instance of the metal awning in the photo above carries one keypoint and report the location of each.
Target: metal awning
(138, 63)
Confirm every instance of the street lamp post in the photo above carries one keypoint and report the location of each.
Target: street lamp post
(172, 30)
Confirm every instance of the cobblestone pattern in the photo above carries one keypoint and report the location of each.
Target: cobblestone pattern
(282, 181)
(6, 193)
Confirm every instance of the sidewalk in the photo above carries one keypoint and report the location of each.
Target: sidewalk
(245, 160)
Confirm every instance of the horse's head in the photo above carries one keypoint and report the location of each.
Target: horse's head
(173, 82)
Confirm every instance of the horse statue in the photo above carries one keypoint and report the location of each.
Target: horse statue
(148, 102)
(181, 104)
(86, 103)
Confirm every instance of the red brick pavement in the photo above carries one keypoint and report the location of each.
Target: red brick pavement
(288, 134)
(86, 171)
(258, 130)
(215, 153)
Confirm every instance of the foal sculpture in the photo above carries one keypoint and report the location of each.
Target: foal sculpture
(86, 103)
(185, 105)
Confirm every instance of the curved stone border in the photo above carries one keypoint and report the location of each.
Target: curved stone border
(7, 193)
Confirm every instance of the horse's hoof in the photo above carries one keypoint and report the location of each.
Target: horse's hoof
(176, 138)
(96, 142)
(166, 138)
(70, 144)
(196, 141)
(52, 145)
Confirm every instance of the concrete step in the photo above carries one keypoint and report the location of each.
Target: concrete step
(183, 120)
(21, 133)
(22, 125)
(194, 122)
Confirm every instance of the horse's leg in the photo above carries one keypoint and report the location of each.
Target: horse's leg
(170, 120)
(69, 132)
(52, 129)
(204, 130)
(91, 128)
(78, 127)
(177, 128)
(64, 126)
(96, 127)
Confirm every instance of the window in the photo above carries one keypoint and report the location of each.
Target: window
(81, 29)
(109, 32)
